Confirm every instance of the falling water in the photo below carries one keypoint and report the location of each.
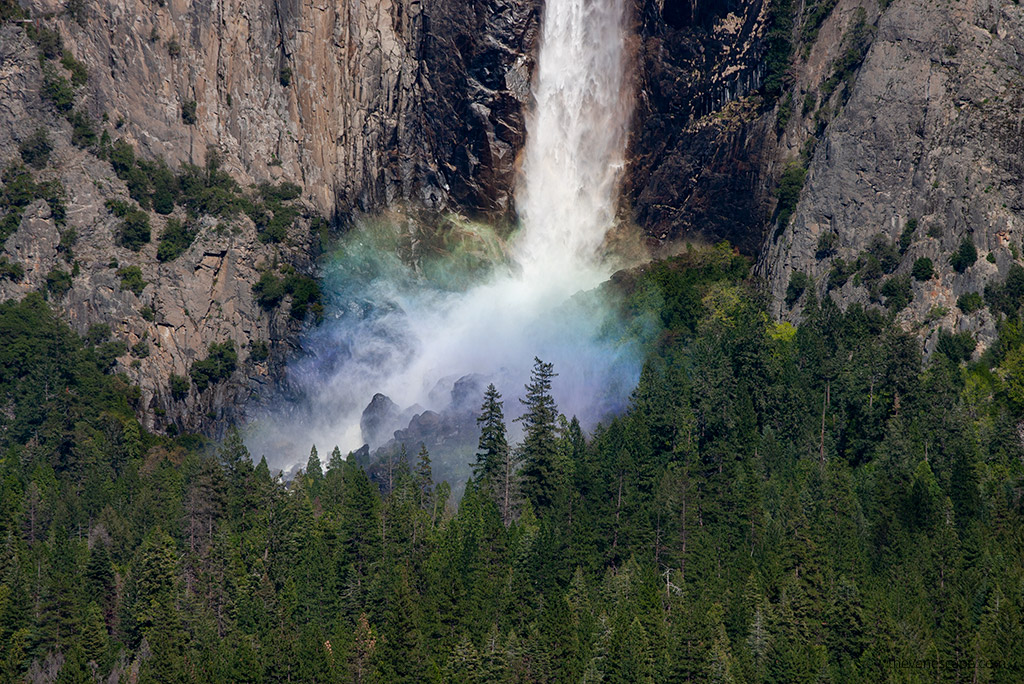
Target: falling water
(396, 335)
(575, 139)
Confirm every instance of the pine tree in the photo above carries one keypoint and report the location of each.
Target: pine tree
(493, 442)
(314, 471)
(424, 479)
(541, 474)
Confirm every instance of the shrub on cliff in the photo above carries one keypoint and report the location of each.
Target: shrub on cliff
(788, 191)
(35, 150)
(965, 255)
(176, 238)
(923, 269)
(219, 364)
(131, 279)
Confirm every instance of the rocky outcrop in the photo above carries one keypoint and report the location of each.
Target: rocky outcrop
(931, 132)
(700, 135)
(203, 296)
(364, 104)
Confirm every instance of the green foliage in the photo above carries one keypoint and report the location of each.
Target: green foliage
(259, 351)
(271, 289)
(133, 232)
(923, 269)
(785, 113)
(965, 255)
(47, 40)
(58, 282)
(798, 282)
(131, 279)
(220, 363)
(174, 240)
(780, 48)
(777, 503)
(957, 347)
(543, 471)
(179, 387)
(969, 302)
(79, 72)
(83, 134)
(815, 15)
(57, 90)
(788, 191)
(1008, 296)
(285, 75)
(898, 293)
(174, 48)
(827, 244)
(188, 112)
(11, 10)
(35, 150)
(11, 270)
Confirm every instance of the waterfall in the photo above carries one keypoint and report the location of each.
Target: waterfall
(576, 136)
(395, 334)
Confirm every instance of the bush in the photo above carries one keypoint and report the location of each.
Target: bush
(131, 279)
(57, 90)
(79, 72)
(269, 290)
(258, 351)
(1007, 297)
(970, 302)
(179, 387)
(10, 270)
(923, 269)
(188, 112)
(49, 42)
(58, 282)
(898, 293)
(35, 150)
(83, 134)
(788, 191)
(798, 282)
(140, 349)
(97, 334)
(147, 313)
(827, 245)
(134, 231)
(957, 347)
(965, 256)
(176, 238)
(217, 366)
(173, 48)
(306, 297)
(285, 75)
(840, 273)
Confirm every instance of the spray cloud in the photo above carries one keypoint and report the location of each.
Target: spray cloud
(410, 335)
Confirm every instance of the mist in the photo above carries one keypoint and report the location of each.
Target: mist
(414, 307)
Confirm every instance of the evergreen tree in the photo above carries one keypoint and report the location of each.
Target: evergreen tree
(542, 474)
(314, 471)
(493, 444)
(423, 478)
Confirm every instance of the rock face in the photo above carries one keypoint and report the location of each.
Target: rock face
(699, 136)
(931, 132)
(363, 104)
(203, 296)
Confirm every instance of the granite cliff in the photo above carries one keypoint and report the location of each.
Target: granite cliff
(842, 142)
